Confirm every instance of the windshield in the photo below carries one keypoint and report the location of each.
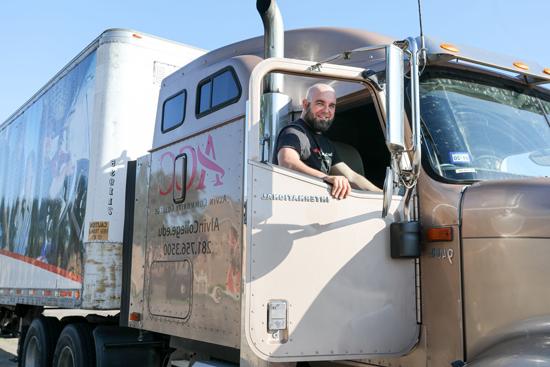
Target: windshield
(474, 130)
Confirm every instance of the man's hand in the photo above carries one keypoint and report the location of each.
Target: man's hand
(340, 186)
(290, 158)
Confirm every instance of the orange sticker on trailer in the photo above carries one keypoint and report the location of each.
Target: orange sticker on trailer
(99, 231)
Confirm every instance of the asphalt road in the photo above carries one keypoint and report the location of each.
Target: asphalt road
(8, 349)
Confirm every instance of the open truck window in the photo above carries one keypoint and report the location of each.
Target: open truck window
(358, 137)
(356, 132)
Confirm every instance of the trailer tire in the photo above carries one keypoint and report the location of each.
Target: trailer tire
(40, 341)
(72, 320)
(75, 347)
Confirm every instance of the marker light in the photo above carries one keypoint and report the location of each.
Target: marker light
(135, 316)
(135, 35)
(546, 71)
(521, 65)
(449, 47)
(439, 234)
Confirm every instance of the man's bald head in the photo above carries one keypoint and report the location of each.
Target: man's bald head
(315, 89)
(319, 107)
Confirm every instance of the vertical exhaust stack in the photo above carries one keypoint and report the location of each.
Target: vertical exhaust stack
(274, 39)
(276, 106)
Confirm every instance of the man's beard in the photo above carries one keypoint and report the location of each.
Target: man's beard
(317, 124)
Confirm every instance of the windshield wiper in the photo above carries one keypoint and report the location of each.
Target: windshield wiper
(544, 112)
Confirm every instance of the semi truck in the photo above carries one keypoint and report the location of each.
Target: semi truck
(214, 256)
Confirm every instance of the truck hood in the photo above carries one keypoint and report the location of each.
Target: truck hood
(511, 208)
(529, 351)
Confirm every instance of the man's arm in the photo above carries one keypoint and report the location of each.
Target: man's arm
(356, 180)
(289, 158)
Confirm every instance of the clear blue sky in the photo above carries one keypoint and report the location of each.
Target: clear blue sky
(38, 37)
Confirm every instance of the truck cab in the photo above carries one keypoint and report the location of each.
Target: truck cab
(268, 267)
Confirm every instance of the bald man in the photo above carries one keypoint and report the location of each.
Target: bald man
(301, 146)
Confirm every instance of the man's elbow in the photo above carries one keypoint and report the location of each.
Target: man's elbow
(287, 159)
(286, 162)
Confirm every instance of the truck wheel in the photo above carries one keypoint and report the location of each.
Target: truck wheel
(75, 347)
(72, 320)
(40, 342)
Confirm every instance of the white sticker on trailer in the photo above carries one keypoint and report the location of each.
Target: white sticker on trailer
(99, 231)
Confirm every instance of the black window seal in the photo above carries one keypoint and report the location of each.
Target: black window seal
(202, 83)
(184, 92)
(210, 79)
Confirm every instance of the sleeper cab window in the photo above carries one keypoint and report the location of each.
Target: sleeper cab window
(217, 91)
(173, 111)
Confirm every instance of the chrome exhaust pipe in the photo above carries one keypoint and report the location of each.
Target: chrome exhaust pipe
(274, 40)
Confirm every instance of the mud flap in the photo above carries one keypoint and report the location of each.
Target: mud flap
(120, 346)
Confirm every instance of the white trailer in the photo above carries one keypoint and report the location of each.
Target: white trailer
(63, 159)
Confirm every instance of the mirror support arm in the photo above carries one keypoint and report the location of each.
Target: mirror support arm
(415, 105)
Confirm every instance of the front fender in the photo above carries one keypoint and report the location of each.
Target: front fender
(527, 351)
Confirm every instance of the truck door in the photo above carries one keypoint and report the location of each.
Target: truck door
(320, 283)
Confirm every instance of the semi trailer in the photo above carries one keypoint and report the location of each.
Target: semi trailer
(62, 162)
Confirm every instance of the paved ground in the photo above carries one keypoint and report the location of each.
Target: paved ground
(8, 348)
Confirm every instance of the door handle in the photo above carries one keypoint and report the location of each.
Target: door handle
(180, 170)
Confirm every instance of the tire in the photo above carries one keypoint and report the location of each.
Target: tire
(40, 341)
(72, 320)
(75, 347)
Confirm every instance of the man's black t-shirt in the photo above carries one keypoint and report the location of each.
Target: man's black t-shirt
(314, 149)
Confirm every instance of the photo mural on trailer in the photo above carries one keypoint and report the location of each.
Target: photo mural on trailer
(44, 163)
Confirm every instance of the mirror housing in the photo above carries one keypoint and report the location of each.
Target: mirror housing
(395, 101)
(405, 240)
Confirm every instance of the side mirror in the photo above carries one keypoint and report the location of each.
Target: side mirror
(395, 111)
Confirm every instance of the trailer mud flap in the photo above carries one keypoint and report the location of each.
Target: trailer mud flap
(117, 346)
(320, 280)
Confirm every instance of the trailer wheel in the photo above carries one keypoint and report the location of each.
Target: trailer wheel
(40, 342)
(75, 347)
(72, 320)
